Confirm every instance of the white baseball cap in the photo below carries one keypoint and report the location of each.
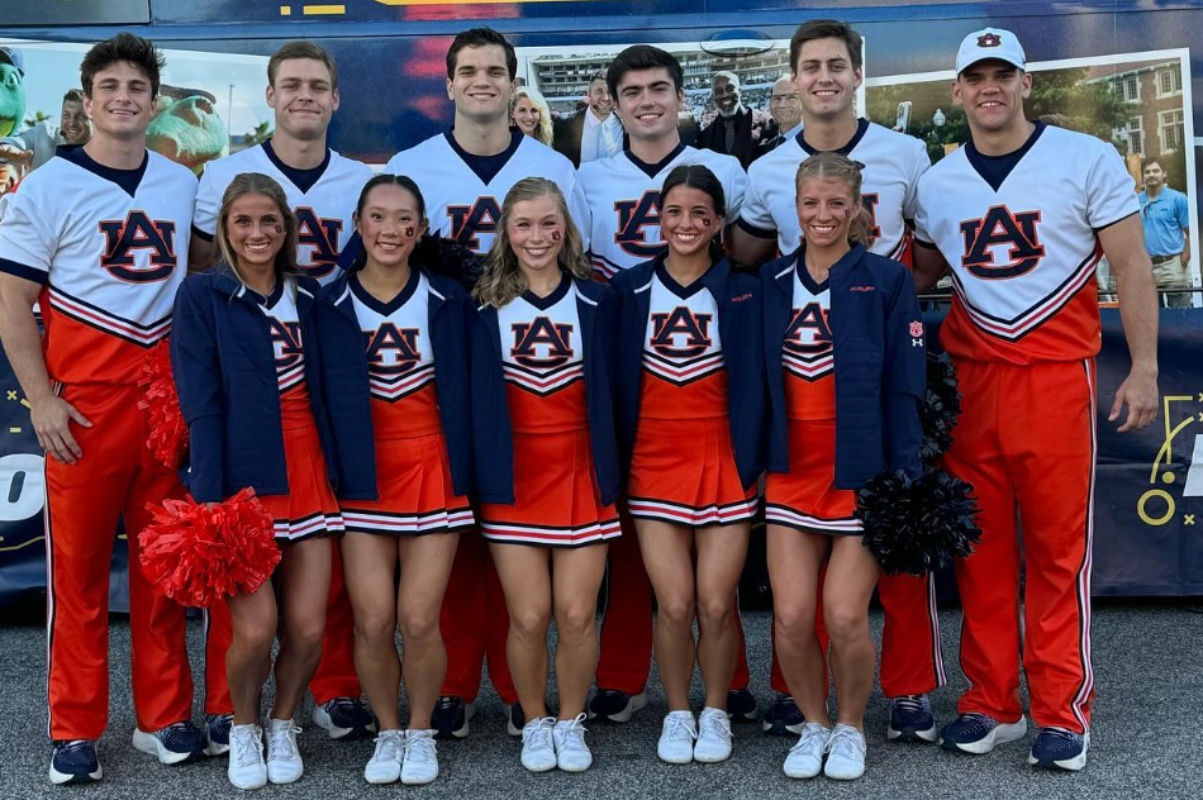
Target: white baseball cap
(990, 43)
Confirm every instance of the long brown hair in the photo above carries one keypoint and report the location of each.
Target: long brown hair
(842, 168)
(257, 183)
(502, 280)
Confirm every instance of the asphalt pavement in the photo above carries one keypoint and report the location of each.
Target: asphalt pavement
(1146, 740)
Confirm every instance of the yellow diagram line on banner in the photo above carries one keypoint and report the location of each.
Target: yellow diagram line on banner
(463, 2)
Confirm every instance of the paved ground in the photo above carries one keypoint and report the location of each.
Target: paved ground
(1146, 738)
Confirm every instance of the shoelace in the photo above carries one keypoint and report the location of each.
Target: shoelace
(389, 746)
(1063, 733)
(281, 740)
(812, 740)
(246, 747)
(420, 748)
(572, 732)
(540, 734)
(909, 704)
(74, 746)
(682, 727)
(846, 739)
(709, 722)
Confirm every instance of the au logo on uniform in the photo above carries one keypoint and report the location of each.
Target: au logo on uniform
(541, 343)
(124, 238)
(392, 350)
(1002, 227)
(680, 333)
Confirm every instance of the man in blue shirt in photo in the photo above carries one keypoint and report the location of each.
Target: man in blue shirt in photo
(1166, 216)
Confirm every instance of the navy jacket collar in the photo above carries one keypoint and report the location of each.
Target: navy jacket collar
(840, 276)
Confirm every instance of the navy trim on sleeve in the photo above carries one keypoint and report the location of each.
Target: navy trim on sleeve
(925, 245)
(759, 233)
(198, 233)
(1115, 221)
(32, 274)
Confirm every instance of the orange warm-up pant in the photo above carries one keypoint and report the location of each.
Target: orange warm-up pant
(1026, 442)
(335, 676)
(911, 661)
(475, 623)
(116, 479)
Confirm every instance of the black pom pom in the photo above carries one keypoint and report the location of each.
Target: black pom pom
(445, 256)
(916, 526)
(941, 408)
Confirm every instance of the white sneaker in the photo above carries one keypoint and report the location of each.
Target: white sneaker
(421, 763)
(845, 754)
(538, 750)
(676, 737)
(246, 769)
(714, 736)
(805, 759)
(385, 764)
(284, 763)
(572, 754)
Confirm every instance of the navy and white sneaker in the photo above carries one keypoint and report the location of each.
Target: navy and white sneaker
(452, 717)
(516, 720)
(612, 705)
(979, 733)
(74, 761)
(741, 706)
(1058, 748)
(217, 727)
(174, 744)
(911, 719)
(345, 718)
(783, 717)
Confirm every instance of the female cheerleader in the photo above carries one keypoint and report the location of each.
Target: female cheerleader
(844, 341)
(690, 374)
(547, 464)
(395, 360)
(249, 386)
(531, 115)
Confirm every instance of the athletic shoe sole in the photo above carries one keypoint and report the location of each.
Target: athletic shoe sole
(322, 719)
(465, 729)
(150, 744)
(1074, 764)
(72, 779)
(1002, 733)
(638, 702)
(214, 749)
(779, 728)
(907, 735)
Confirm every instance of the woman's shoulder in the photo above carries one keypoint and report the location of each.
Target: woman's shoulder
(628, 280)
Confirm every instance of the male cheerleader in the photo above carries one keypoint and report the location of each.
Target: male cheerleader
(464, 175)
(1023, 213)
(94, 237)
(622, 195)
(321, 187)
(825, 58)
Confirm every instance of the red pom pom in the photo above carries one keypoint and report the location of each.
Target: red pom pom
(200, 554)
(168, 432)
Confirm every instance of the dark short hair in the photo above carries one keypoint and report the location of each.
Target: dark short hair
(385, 179)
(73, 96)
(825, 29)
(296, 50)
(696, 176)
(640, 57)
(122, 47)
(481, 37)
(1147, 160)
(598, 76)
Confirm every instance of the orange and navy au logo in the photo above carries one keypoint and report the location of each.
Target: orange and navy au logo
(541, 343)
(680, 333)
(286, 342)
(1000, 227)
(989, 40)
(322, 236)
(392, 350)
(125, 238)
(870, 200)
(468, 221)
(634, 217)
(809, 333)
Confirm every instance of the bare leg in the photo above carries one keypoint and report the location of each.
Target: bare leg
(795, 559)
(851, 576)
(372, 560)
(526, 581)
(304, 591)
(721, 554)
(577, 578)
(249, 659)
(425, 570)
(668, 558)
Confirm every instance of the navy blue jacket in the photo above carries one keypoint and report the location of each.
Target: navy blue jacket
(225, 373)
(492, 436)
(347, 388)
(880, 364)
(738, 295)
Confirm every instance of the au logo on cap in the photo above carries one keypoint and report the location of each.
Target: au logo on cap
(989, 40)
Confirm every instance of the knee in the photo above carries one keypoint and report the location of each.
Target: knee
(846, 623)
(530, 623)
(575, 622)
(716, 613)
(305, 636)
(676, 612)
(417, 625)
(256, 635)
(375, 628)
(794, 623)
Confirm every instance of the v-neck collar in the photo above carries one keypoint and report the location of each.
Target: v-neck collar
(381, 308)
(652, 170)
(995, 170)
(544, 303)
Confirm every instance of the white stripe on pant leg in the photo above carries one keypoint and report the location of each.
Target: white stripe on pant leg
(1084, 574)
(50, 604)
(933, 613)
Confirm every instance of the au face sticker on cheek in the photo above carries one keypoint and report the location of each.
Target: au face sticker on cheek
(409, 232)
(707, 222)
(557, 235)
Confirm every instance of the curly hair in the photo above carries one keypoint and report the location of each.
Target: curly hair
(502, 279)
